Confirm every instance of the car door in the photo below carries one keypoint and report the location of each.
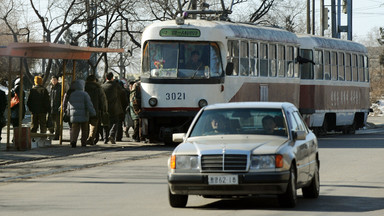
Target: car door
(301, 148)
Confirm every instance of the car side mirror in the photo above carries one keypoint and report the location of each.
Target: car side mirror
(178, 137)
(299, 135)
(229, 68)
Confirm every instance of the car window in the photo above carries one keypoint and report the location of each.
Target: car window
(300, 123)
(240, 121)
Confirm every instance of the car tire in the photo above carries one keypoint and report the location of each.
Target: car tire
(177, 201)
(312, 191)
(289, 198)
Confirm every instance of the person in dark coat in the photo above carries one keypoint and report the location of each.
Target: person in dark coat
(112, 92)
(3, 106)
(79, 108)
(17, 92)
(99, 101)
(54, 116)
(124, 104)
(39, 104)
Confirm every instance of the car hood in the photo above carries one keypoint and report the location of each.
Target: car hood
(260, 144)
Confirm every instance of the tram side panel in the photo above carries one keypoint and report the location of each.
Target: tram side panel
(340, 108)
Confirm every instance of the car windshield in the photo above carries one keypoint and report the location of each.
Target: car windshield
(240, 121)
(182, 60)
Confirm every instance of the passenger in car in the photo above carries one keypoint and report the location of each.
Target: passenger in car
(269, 124)
(216, 125)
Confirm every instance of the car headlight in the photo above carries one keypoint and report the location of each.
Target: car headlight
(263, 162)
(184, 162)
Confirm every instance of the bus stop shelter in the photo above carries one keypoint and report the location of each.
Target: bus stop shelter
(44, 51)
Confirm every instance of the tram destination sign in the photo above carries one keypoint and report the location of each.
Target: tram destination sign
(170, 32)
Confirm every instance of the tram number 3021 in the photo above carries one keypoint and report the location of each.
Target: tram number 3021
(175, 96)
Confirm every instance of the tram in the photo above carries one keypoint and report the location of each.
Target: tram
(334, 84)
(189, 63)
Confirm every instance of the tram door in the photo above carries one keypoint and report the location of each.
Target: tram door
(263, 92)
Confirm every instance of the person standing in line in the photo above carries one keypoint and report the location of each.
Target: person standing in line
(135, 109)
(39, 104)
(54, 116)
(111, 90)
(3, 106)
(79, 108)
(99, 101)
(124, 104)
(16, 94)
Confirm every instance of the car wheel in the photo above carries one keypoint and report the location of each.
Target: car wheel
(289, 198)
(313, 190)
(177, 201)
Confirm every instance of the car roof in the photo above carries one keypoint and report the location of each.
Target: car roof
(273, 105)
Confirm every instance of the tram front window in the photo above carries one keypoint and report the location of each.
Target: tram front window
(182, 60)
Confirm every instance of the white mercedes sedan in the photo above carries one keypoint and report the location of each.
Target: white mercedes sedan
(245, 149)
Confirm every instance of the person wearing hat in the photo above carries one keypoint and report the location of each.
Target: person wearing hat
(39, 104)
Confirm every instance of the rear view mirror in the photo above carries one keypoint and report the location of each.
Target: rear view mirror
(178, 137)
(299, 135)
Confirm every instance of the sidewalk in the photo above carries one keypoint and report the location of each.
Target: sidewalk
(12, 155)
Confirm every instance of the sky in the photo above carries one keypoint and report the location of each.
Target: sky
(366, 15)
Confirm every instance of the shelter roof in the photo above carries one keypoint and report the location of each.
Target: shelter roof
(52, 51)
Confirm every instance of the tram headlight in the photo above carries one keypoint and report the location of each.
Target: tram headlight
(203, 103)
(152, 102)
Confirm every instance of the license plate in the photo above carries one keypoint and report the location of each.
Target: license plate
(223, 179)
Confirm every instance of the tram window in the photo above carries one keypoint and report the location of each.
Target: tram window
(361, 68)
(348, 68)
(334, 65)
(244, 58)
(273, 60)
(366, 69)
(318, 64)
(291, 61)
(233, 55)
(145, 65)
(263, 60)
(354, 68)
(327, 65)
(306, 69)
(341, 66)
(254, 61)
(215, 63)
(162, 59)
(182, 60)
(282, 64)
(297, 65)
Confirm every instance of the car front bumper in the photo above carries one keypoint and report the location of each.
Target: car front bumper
(248, 184)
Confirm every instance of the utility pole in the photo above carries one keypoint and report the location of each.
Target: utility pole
(308, 16)
(313, 17)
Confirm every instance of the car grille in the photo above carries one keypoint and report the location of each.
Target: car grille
(224, 162)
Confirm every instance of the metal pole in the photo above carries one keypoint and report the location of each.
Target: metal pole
(322, 17)
(349, 9)
(338, 17)
(333, 18)
(308, 16)
(9, 101)
(313, 17)
(61, 107)
(21, 99)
